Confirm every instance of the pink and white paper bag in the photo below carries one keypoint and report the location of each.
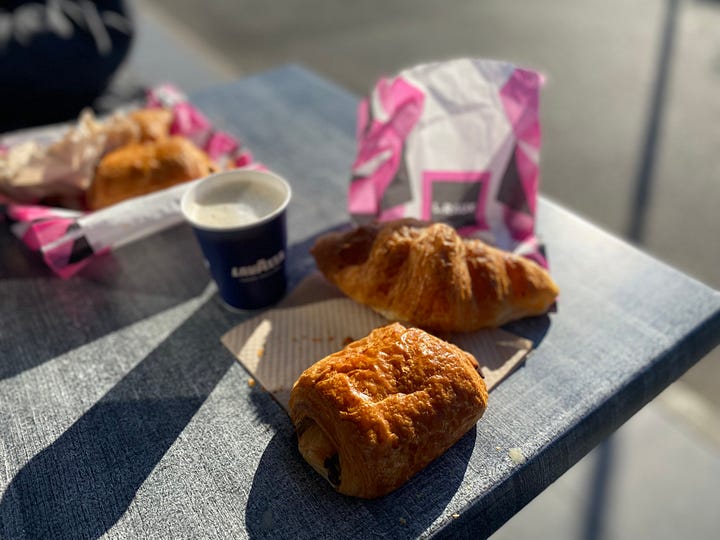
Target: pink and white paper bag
(457, 142)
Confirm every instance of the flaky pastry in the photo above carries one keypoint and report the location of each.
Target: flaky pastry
(372, 415)
(429, 276)
(65, 167)
(153, 124)
(141, 168)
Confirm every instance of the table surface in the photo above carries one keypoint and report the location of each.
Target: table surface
(122, 414)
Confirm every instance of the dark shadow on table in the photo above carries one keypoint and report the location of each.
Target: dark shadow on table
(299, 261)
(19, 262)
(288, 498)
(80, 485)
(532, 328)
(114, 291)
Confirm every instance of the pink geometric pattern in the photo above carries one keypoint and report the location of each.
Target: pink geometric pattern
(465, 113)
(520, 98)
(401, 103)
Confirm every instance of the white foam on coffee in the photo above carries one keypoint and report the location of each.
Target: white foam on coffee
(234, 204)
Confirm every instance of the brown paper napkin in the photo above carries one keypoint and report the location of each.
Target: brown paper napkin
(315, 320)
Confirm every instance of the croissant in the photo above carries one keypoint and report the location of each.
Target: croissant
(141, 168)
(427, 275)
(372, 415)
(153, 124)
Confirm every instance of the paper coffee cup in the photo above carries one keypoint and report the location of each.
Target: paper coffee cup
(239, 220)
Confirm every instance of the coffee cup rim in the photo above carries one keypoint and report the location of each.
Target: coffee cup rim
(223, 176)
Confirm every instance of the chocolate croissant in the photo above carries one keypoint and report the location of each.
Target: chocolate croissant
(372, 415)
(427, 275)
(142, 168)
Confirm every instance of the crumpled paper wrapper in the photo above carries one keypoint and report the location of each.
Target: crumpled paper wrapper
(316, 320)
(457, 142)
(61, 160)
(30, 170)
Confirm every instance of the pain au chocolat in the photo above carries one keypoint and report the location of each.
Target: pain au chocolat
(427, 275)
(372, 415)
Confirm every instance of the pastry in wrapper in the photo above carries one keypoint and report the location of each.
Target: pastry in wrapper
(141, 168)
(30, 171)
(153, 124)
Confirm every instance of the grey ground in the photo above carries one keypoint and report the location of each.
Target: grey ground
(631, 128)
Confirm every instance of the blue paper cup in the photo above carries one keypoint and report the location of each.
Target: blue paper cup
(239, 220)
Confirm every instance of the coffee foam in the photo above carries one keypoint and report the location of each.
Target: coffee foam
(234, 204)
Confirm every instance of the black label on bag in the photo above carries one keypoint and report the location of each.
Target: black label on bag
(455, 203)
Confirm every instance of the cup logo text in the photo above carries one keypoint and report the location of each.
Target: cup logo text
(259, 267)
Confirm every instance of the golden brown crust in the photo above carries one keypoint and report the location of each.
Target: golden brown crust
(141, 168)
(154, 124)
(427, 275)
(375, 413)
